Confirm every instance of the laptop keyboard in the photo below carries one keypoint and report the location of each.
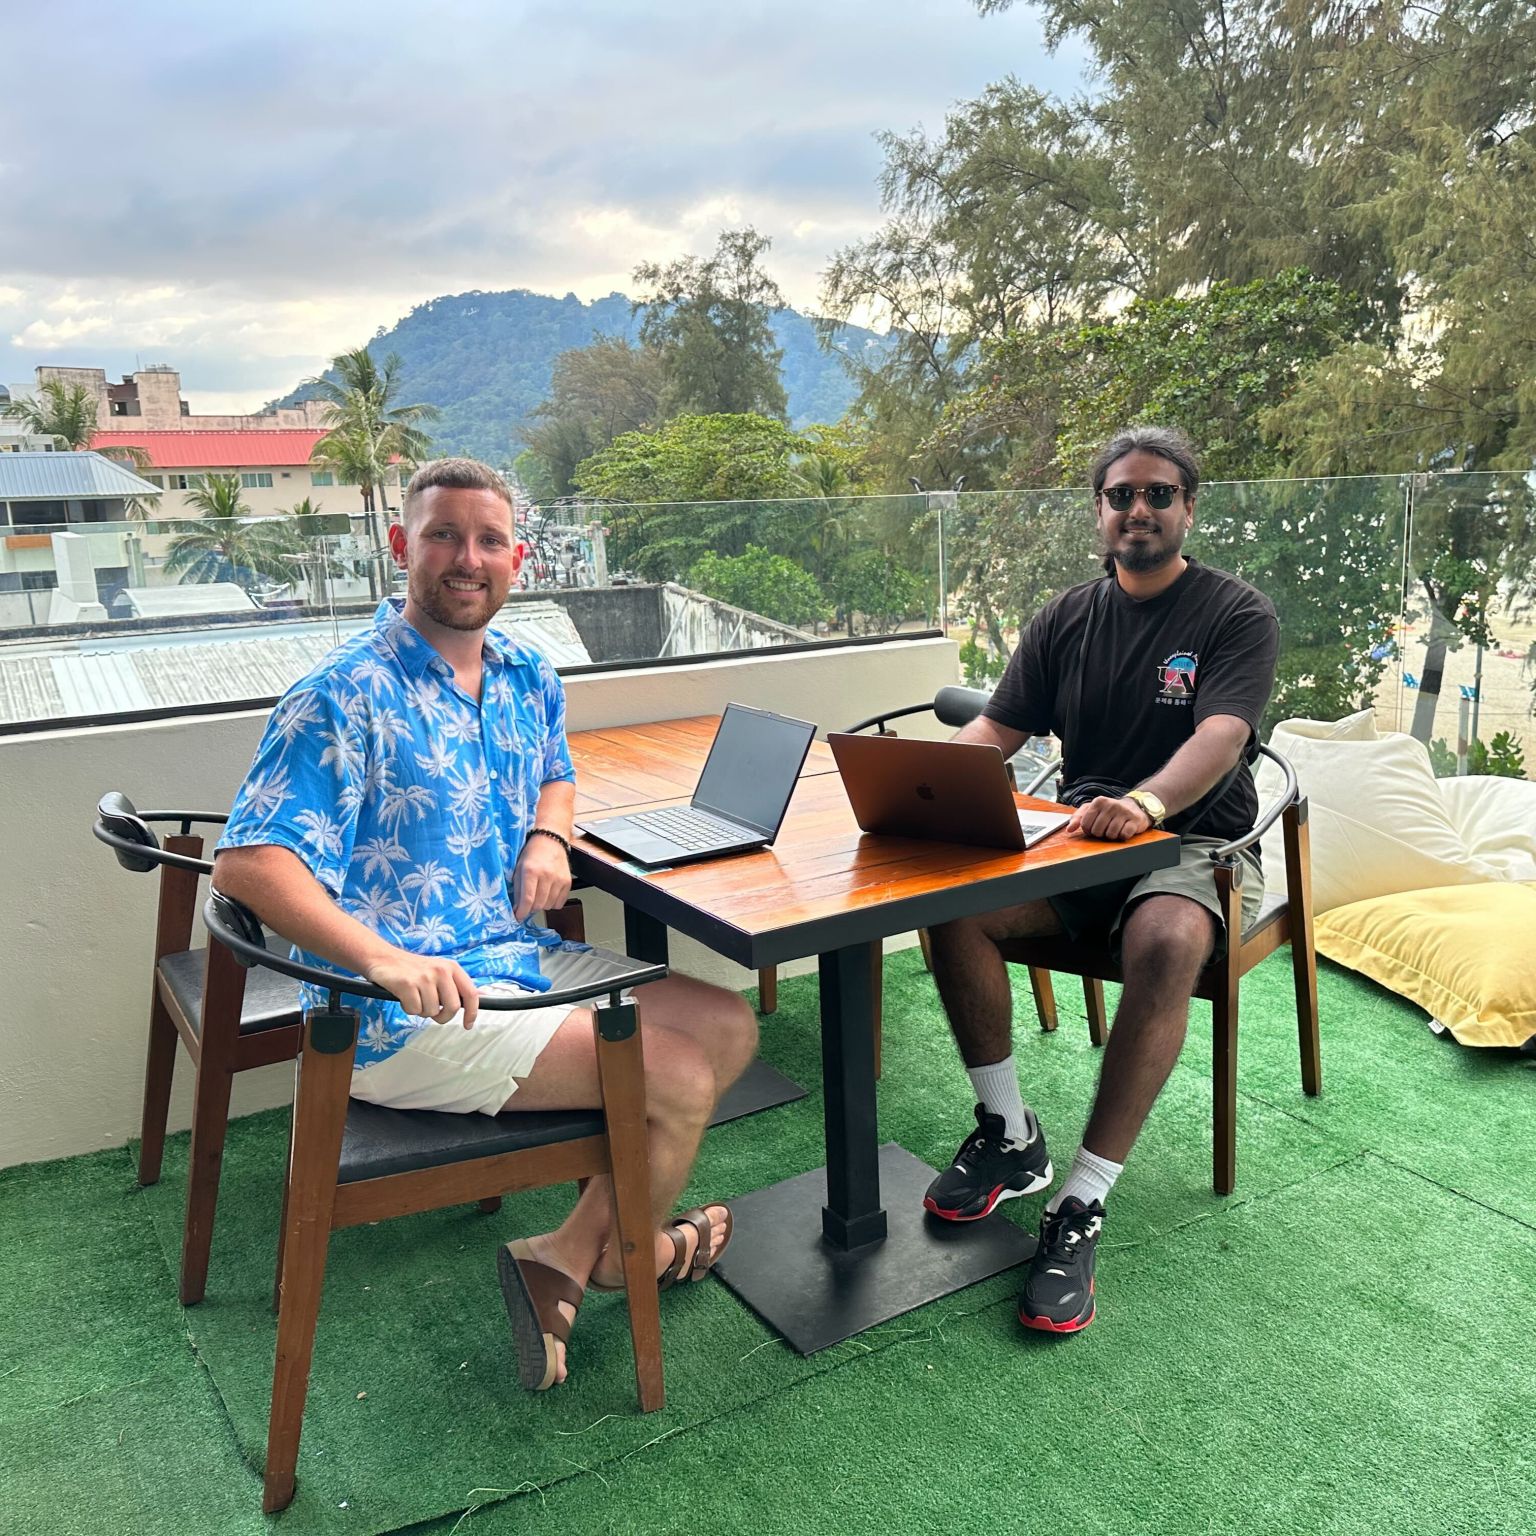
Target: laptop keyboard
(691, 828)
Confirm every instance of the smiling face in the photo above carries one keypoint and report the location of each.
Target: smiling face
(1144, 538)
(459, 555)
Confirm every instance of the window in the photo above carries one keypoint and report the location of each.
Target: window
(321, 477)
(260, 481)
(157, 480)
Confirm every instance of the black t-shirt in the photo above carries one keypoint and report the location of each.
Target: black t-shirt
(1123, 683)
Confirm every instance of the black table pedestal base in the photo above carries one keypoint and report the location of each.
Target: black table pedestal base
(759, 1087)
(782, 1267)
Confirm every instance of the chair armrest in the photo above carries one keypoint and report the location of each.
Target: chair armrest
(237, 928)
(1288, 796)
(128, 833)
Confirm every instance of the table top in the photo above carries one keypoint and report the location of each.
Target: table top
(823, 884)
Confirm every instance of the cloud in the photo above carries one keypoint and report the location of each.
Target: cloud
(232, 186)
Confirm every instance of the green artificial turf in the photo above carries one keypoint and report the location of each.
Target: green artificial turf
(1342, 1345)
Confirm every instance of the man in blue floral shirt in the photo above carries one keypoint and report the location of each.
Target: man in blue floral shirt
(408, 812)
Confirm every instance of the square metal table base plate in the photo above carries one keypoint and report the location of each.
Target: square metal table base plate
(782, 1267)
(759, 1087)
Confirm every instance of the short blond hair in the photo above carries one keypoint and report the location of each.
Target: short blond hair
(454, 475)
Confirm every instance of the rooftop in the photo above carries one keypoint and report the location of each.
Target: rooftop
(1342, 1346)
(215, 450)
(67, 476)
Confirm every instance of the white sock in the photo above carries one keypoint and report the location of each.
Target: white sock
(997, 1090)
(1090, 1178)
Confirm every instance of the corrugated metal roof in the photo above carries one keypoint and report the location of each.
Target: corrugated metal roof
(209, 670)
(217, 450)
(67, 476)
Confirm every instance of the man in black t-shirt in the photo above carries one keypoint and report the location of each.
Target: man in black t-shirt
(1154, 677)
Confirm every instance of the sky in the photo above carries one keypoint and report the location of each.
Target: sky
(241, 192)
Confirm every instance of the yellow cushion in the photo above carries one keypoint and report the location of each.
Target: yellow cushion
(1463, 953)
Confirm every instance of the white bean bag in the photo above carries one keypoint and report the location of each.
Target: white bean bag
(1382, 823)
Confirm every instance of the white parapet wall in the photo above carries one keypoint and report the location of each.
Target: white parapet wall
(76, 930)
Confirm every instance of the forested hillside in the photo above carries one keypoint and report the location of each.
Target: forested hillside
(484, 360)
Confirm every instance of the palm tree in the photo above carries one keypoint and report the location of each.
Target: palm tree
(67, 413)
(227, 543)
(367, 431)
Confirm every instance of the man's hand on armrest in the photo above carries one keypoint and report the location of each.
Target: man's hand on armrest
(277, 886)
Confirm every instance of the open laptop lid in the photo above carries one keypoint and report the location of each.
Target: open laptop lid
(947, 791)
(752, 767)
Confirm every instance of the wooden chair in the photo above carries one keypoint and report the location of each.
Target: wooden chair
(351, 1162)
(1280, 920)
(224, 1031)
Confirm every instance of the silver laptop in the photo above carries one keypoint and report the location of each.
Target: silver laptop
(740, 800)
(946, 791)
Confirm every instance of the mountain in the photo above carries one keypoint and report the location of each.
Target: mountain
(484, 359)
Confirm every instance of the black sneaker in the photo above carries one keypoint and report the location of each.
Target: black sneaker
(1058, 1288)
(988, 1168)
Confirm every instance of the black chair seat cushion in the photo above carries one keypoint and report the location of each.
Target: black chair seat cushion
(1271, 910)
(378, 1142)
(271, 999)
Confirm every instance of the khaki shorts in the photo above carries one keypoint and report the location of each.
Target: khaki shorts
(1101, 909)
(476, 1070)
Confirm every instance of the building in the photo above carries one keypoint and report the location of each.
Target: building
(53, 568)
(273, 466)
(151, 399)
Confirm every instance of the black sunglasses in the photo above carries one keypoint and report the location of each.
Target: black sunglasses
(1122, 498)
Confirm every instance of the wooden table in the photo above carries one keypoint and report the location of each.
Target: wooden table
(826, 889)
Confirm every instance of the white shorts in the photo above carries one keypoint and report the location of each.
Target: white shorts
(475, 1070)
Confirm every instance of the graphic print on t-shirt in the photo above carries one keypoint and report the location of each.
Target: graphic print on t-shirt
(1176, 678)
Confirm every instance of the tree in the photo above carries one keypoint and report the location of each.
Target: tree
(596, 392)
(760, 582)
(708, 319)
(68, 413)
(366, 430)
(227, 543)
(700, 484)
(870, 585)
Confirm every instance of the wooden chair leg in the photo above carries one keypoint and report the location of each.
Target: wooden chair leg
(569, 921)
(1224, 1046)
(319, 1117)
(927, 947)
(768, 989)
(173, 934)
(282, 1221)
(877, 1000)
(210, 1122)
(1045, 998)
(159, 1069)
(1298, 881)
(1093, 1002)
(621, 1074)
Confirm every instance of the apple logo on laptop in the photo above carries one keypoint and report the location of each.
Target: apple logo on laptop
(924, 792)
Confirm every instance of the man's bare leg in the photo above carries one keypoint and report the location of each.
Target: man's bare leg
(684, 1078)
(1164, 944)
(972, 976)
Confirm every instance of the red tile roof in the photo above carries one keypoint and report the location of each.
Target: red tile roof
(215, 450)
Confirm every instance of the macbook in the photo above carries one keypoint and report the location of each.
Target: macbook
(740, 801)
(946, 791)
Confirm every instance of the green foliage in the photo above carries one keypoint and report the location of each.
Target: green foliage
(367, 430)
(979, 667)
(760, 582)
(226, 543)
(708, 323)
(1502, 758)
(60, 410)
(533, 474)
(873, 592)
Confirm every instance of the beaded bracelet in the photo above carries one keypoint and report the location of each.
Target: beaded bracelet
(550, 832)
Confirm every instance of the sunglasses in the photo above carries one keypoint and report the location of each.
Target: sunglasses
(1122, 498)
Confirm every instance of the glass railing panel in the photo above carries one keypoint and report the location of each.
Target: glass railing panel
(1471, 607)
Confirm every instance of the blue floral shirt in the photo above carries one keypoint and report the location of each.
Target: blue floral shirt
(410, 802)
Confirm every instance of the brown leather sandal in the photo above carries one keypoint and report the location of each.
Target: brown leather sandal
(680, 1268)
(532, 1292)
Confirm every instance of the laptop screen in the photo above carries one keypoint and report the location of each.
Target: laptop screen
(752, 767)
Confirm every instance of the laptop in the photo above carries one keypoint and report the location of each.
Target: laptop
(740, 801)
(946, 791)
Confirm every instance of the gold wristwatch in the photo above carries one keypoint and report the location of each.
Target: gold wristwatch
(1156, 811)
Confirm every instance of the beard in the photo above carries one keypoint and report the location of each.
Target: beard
(1143, 555)
(452, 615)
